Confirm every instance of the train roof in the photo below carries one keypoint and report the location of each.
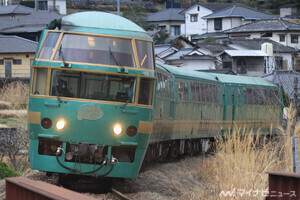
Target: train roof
(100, 23)
(184, 73)
(245, 80)
(94, 19)
(221, 78)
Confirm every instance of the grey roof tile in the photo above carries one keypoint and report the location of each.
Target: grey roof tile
(15, 9)
(266, 25)
(239, 11)
(215, 47)
(255, 44)
(15, 44)
(34, 22)
(197, 57)
(171, 14)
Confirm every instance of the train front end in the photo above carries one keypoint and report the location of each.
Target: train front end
(91, 99)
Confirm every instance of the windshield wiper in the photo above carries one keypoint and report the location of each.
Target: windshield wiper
(60, 54)
(128, 100)
(116, 61)
(57, 94)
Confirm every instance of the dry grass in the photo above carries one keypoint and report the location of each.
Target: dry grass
(17, 114)
(241, 161)
(16, 94)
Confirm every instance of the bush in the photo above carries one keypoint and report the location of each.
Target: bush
(16, 93)
(7, 172)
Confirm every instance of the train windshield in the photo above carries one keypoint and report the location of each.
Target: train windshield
(96, 50)
(93, 86)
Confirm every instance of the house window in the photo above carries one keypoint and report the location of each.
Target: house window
(281, 38)
(43, 5)
(162, 28)
(241, 65)
(194, 18)
(1, 62)
(175, 30)
(198, 8)
(218, 24)
(17, 62)
(294, 39)
(227, 65)
(266, 35)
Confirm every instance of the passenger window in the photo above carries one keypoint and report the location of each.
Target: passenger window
(40, 81)
(49, 46)
(171, 89)
(193, 91)
(202, 87)
(146, 91)
(198, 91)
(145, 54)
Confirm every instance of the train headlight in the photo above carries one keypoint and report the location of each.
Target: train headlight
(60, 125)
(117, 129)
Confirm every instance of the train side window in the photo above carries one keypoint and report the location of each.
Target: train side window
(40, 81)
(158, 84)
(193, 91)
(249, 96)
(198, 96)
(202, 87)
(145, 54)
(208, 93)
(276, 97)
(48, 46)
(186, 92)
(163, 86)
(171, 89)
(215, 93)
(146, 91)
(167, 94)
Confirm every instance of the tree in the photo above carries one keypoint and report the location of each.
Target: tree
(160, 37)
(136, 13)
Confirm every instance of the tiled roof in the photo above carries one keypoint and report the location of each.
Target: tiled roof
(197, 57)
(214, 47)
(15, 9)
(255, 44)
(34, 22)
(213, 34)
(239, 11)
(181, 52)
(171, 14)
(286, 79)
(161, 47)
(266, 25)
(218, 71)
(15, 44)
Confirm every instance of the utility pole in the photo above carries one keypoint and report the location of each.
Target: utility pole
(54, 9)
(295, 96)
(118, 5)
(36, 5)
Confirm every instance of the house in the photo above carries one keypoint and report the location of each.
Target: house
(278, 30)
(191, 58)
(60, 6)
(233, 16)
(168, 19)
(16, 56)
(15, 11)
(194, 22)
(289, 10)
(286, 79)
(244, 62)
(254, 57)
(29, 26)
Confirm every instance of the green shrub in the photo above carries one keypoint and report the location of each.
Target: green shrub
(7, 172)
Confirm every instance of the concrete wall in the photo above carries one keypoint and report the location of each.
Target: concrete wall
(199, 27)
(198, 64)
(60, 6)
(22, 70)
(288, 11)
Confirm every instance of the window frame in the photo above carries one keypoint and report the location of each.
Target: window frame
(294, 38)
(194, 18)
(132, 39)
(218, 24)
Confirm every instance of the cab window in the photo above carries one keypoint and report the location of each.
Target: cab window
(40, 81)
(145, 54)
(146, 91)
(49, 46)
(95, 50)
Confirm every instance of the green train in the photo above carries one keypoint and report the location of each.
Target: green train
(98, 102)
